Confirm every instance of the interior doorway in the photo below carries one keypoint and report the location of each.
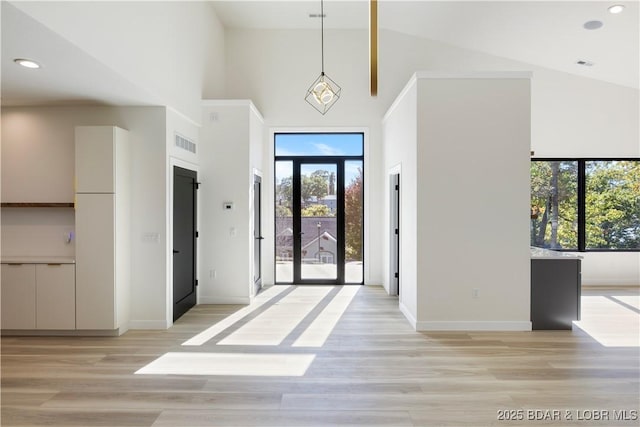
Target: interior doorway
(394, 231)
(185, 233)
(257, 234)
(319, 208)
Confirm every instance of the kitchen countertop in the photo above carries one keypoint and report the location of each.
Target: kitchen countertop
(37, 260)
(541, 253)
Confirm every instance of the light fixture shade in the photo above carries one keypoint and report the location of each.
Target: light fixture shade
(323, 93)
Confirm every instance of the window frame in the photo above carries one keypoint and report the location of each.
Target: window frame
(582, 198)
(319, 159)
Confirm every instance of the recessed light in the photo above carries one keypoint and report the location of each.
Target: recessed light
(616, 8)
(593, 25)
(26, 63)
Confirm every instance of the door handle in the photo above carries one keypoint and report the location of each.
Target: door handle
(301, 233)
(176, 252)
(260, 238)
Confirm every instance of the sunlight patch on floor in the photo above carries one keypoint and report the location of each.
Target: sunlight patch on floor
(610, 323)
(261, 365)
(632, 300)
(273, 325)
(317, 333)
(261, 299)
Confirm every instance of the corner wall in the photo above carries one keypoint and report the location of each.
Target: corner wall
(400, 136)
(473, 201)
(227, 157)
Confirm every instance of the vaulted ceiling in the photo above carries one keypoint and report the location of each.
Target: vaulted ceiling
(548, 34)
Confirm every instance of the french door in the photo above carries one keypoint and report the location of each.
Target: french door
(319, 235)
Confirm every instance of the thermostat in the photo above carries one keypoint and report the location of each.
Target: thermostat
(227, 206)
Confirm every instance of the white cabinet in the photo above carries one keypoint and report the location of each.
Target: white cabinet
(95, 260)
(38, 296)
(18, 296)
(103, 272)
(55, 296)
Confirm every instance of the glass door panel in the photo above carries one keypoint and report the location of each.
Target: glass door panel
(284, 221)
(319, 240)
(353, 221)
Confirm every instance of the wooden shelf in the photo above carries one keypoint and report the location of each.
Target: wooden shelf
(36, 205)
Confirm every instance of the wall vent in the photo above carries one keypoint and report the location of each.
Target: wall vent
(185, 144)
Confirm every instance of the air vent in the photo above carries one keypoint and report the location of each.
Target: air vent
(185, 144)
(584, 63)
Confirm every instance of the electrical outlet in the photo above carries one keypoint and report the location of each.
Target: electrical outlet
(475, 293)
(212, 274)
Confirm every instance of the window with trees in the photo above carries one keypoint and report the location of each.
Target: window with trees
(319, 207)
(585, 204)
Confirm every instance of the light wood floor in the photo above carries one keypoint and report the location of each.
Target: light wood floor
(372, 370)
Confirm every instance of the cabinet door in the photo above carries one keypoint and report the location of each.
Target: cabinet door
(55, 296)
(18, 296)
(95, 159)
(95, 261)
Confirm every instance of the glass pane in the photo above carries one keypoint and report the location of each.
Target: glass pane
(554, 204)
(284, 221)
(319, 144)
(353, 221)
(318, 221)
(612, 204)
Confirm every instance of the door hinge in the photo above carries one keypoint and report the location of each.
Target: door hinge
(397, 187)
(397, 231)
(396, 275)
(196, 282)
(197, 184)
(197, 234)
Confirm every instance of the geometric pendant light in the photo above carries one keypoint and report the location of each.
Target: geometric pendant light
(323, 92)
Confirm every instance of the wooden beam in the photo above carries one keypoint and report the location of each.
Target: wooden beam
(373, 47)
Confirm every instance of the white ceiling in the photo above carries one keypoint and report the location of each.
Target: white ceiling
(70, 73)
(544, 33)
(547, 34)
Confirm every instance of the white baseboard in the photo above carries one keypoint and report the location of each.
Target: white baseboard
(610, 283)
(412, 320)
(148, 324)
(471, 325)
(224, 300)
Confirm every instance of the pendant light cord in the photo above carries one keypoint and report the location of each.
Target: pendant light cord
(322, 33)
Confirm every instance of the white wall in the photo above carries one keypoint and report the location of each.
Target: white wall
(274, 69)
(174, 50)
(47, 127)
(400, 135)
(473, 202)
(571, 115)
(226, 176)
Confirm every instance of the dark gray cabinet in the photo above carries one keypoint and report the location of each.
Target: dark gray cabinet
(555, 293)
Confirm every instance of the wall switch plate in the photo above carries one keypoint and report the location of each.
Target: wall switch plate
(475, 293)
